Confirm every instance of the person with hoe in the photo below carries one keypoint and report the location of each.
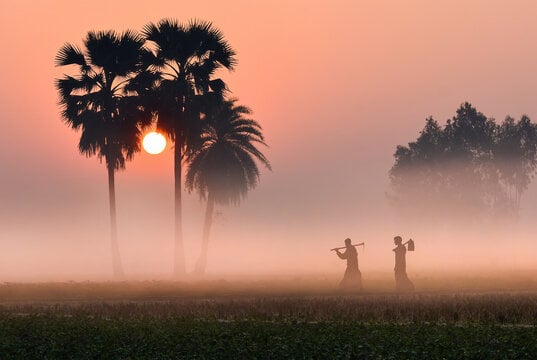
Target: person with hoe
(352, 280)
(402, 282)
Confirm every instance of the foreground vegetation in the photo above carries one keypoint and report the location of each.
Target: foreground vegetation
(83, 337)
(264, 320)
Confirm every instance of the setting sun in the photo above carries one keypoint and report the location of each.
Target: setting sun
(154, 143)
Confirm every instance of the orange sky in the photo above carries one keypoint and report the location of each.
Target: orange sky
(336, 86)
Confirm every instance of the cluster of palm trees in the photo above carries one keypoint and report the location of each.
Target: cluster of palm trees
(164, 76)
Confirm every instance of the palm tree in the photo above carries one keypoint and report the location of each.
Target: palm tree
(185, 58)
(223, 169)
(96, 101)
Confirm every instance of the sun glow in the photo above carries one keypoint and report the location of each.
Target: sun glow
(154, 143)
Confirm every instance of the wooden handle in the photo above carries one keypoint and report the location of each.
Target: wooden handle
(344, 247)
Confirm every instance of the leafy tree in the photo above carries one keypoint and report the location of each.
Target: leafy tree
(96, 101)
(223, 169)
(516, 154)
(471, 164)
(185, 59)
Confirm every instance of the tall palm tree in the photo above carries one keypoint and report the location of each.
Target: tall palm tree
(96, 101)
(223, 169)
(185, 57)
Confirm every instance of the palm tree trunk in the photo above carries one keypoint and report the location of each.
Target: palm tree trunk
(201, 264)
(116, 258)
(179, 253)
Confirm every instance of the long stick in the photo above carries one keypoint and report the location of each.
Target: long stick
(344, 247)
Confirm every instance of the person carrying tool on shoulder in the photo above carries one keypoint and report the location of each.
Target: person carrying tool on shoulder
(352, 279)
(402, 282)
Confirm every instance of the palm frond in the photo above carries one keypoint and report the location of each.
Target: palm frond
(100, 47)
(225, 164)
(211, 40)
(102, 99)
(69, 55)
(148, 60)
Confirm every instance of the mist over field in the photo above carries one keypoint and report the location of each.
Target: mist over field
(62, 232)
(63, 246)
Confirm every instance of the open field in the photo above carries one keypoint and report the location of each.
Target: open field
(268, 319)
(275, 285)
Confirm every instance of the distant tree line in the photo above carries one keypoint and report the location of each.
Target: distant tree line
(472, 165)
(163, 77)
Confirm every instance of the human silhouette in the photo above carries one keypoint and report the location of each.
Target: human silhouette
(402, 282)
(352, 280)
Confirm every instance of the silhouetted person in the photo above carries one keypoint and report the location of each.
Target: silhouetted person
(352, 280)
(402, 282)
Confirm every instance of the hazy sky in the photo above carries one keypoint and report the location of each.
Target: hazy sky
(336, 86)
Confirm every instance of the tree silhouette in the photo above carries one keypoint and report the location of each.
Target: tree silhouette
(223, 169)
(96, 101)
(472, 164)
(185, 58)
(516, 154)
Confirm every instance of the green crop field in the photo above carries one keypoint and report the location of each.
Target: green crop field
(219, 320)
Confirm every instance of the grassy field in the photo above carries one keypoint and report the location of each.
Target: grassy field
(267, 319)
